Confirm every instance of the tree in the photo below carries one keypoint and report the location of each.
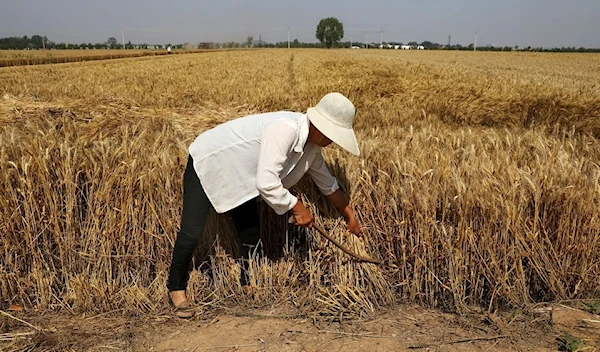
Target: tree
(330, 31)
(37, 41)
(112, 43)
(430, 45)
(249, 41)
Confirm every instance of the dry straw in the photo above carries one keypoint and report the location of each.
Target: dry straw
(477, 184)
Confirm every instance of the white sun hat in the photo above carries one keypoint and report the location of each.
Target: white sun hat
(333, 116)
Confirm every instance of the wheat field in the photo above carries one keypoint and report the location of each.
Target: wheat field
(39, 57)
(478, 182)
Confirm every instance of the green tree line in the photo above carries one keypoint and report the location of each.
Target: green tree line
(41, 42)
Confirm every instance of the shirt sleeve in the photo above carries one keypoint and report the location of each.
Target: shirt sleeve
(278, 140)
(319, 172)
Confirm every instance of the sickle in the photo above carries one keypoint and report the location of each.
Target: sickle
(346, 250)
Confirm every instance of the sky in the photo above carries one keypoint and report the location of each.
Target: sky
(536, 23)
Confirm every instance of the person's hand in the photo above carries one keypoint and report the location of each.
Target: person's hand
(301, 216)
(354, 227)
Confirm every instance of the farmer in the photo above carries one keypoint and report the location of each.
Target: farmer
(262, 155)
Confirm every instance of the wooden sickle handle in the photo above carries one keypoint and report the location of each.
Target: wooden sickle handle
(346, 250)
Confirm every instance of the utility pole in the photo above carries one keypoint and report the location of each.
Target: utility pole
(123, 38)
(288, 37)
(381, 40)
(43, 44)
(476, 35)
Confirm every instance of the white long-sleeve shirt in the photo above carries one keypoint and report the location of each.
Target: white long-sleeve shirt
(261, 154)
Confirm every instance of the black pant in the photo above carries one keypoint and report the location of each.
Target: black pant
(195, 211)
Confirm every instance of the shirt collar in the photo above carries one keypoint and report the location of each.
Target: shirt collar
(302, 133)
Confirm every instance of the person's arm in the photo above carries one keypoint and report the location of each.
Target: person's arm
(277, 142)
(301, 216)
(338, 199)
(328, 185)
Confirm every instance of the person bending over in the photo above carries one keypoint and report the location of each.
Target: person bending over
(260, 155)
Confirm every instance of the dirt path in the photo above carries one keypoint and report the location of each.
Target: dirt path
(400, 329)
(391, 333)
(403, 328)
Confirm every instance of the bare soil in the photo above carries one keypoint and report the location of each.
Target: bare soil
(399, 329)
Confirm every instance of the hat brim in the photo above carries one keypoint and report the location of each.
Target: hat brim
(344, 137)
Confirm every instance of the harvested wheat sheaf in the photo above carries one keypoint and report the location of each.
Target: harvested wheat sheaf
(478, 182)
